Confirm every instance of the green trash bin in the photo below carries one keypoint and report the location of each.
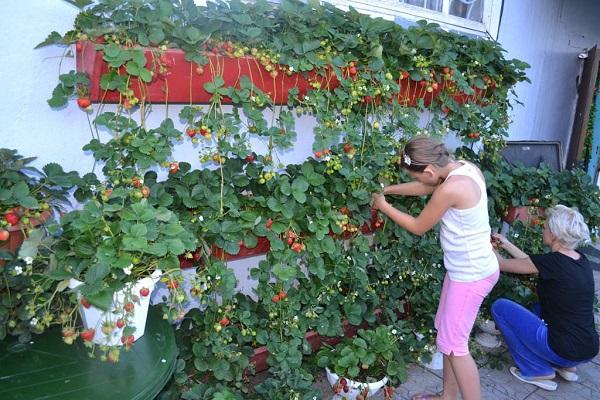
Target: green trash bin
(46, 368)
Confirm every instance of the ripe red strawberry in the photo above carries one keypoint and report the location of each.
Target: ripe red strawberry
(144, 292)
(174, 167)
(282, 295)
(297, 247)
(275, 298)
(197, 255)
(129, 307)
(224, 321)
(88, 335)
(269, 223)
(11, 218)
(4, 235)
(318, 154)
(352, 70)
(78, 46)
(191, 132)
(290, 241)
(127, 340)
(84, 102)
(136, 182)
(120, 323)
(85, 302)
(347, 148)
(250, 158)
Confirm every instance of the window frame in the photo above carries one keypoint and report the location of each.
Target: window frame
(390, 10)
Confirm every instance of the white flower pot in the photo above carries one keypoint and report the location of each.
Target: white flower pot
(354, 388)
(487, 340)
(488, 326)
(436, 363)
(95, 318)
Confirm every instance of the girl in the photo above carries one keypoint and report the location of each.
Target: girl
(459, 201)
(561, 333)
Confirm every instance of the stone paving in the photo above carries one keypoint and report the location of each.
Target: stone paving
(501, 385)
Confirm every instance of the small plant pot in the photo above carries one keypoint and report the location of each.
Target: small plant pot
(436, 363)
(488, 326)
(263, 246)
(95, 318)
(354, 388)
(529, 214)
(488, 341)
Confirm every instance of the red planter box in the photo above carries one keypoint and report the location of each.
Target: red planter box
(531, 214)
(259, 359)
(411, 91)
(262, 247)
(182, 84)
(16, 238)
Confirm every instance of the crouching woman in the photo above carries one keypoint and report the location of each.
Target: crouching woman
(560, 332)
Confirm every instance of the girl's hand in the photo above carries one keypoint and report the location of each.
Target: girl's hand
(378, 200)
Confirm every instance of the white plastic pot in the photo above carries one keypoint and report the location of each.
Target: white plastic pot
(95, 318)
(436, 363)
(354, 388)
(488, 326)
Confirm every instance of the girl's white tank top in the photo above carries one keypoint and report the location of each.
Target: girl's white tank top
(465, 235)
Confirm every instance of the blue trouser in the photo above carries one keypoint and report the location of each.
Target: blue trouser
(526, 335)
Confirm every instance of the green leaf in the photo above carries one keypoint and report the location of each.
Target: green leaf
(138, 230)
(310, 45)
(284, 272)
(53, 38)
(20, 189)
(132, 68)
(253, 32)
(175, 246)
(353, 313)
(145, 75)
(30, 246)
(96, 273)
(156, 36)
(242, 19)
(193, 34)
(103, 299)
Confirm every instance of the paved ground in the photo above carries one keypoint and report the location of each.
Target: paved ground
(501, 385)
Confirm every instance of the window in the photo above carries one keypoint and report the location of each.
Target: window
(478, 17)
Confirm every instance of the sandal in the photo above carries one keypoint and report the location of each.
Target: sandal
(569, 376)
(546, 384)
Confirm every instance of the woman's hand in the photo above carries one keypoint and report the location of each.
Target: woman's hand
(378, 200)
(499, 241)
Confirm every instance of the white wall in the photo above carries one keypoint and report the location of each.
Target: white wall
(32, 127)
(548, 35)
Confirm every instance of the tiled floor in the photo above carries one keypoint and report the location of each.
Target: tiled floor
(501, 385)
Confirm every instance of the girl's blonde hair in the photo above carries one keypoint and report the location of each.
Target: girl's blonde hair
(568, 226)
(422, 151)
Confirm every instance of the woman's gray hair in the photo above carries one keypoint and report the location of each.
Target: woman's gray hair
(568, 225)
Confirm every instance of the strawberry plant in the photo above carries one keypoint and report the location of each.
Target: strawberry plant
(367, 84)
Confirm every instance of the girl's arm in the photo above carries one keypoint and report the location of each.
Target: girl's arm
(443, 198)
(414, 188)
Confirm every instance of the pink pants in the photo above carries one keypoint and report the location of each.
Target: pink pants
(459, 304)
